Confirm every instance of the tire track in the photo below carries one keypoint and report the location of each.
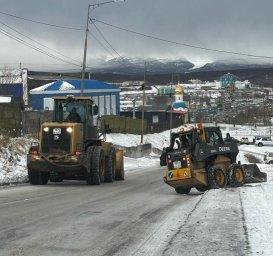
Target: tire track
(179, 230)
(244, 223)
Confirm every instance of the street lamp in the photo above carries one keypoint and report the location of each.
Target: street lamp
(94, 6)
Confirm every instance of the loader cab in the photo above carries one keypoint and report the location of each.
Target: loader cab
(82, 107)
(82, 110)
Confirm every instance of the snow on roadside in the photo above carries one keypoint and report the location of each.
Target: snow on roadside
(258, 209)
(13, 153)
(132, 164)
(13, 159)
(158, 140)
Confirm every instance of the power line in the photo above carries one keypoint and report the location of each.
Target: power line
(44, 64)
(101, 44)
(39, 42)
(106, 40)
(40, 22)
(34, 47)
(182, 44)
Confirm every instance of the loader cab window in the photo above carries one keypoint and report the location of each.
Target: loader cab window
(213, 138)
(69, 111)
(186, 140)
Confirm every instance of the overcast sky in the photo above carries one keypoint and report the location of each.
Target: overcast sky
(231, 25)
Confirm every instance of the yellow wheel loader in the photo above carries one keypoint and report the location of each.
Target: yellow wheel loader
(70, 147)
(201, 158)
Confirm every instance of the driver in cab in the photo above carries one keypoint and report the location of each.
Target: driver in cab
(73, 116)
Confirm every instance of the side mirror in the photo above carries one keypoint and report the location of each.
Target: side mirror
(95, 110)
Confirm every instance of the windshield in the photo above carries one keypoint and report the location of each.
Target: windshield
(64, 110)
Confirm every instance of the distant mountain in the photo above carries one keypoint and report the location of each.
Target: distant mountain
(125, 65)
(226, 65)
(161, 71)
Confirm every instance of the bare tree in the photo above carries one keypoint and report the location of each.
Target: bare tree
(8, 75)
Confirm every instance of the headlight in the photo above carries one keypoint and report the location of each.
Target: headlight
(46, 129)
(69, 129)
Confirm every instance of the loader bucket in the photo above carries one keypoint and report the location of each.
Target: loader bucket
(119, 165)
(253, 174)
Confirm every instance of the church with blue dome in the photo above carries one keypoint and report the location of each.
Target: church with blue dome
(179, 106)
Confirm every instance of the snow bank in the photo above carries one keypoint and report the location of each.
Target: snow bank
(13, 159)
(13, 153)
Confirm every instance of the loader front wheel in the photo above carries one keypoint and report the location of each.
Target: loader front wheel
(237, 175)
(110, 166)
(95, 174)
(182, 190)
(44, 177)
(202, 188)
(34, 178)
(216, 178)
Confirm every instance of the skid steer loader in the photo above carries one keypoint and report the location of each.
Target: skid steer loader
(70, 147)
(201, 158)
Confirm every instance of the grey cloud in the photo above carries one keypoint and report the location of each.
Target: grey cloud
(241, 26)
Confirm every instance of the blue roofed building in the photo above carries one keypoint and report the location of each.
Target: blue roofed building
(14, 91)
(106, 96)
(228, 80)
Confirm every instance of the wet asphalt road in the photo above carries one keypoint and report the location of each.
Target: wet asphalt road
(138, 216)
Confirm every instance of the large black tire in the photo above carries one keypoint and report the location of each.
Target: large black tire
(34, 178)
(236, 175)
(216, 178)
(38, 178)
(260, 144)
(182, 190)
(119, 165)
(55, 177)
(44, 177)
(110, 166)
(96, 165)
(202, 188)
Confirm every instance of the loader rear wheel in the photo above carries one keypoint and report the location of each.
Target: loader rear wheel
(110, 166)
(183, 190)
(55, 177)
(237, 175)
(216, 178)
(95, 174)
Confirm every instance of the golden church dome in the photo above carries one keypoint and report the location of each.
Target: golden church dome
(179, 89)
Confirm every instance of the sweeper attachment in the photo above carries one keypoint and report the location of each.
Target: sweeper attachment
(201, 158)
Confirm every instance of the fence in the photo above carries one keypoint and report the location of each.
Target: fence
(32, 120)
(123, 124)
(11, 119)
(16, 122)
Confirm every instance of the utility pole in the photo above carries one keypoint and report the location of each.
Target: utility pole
(134, 108)
(171, 114)
(143, 101)
(84, 52)
(86, 35)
